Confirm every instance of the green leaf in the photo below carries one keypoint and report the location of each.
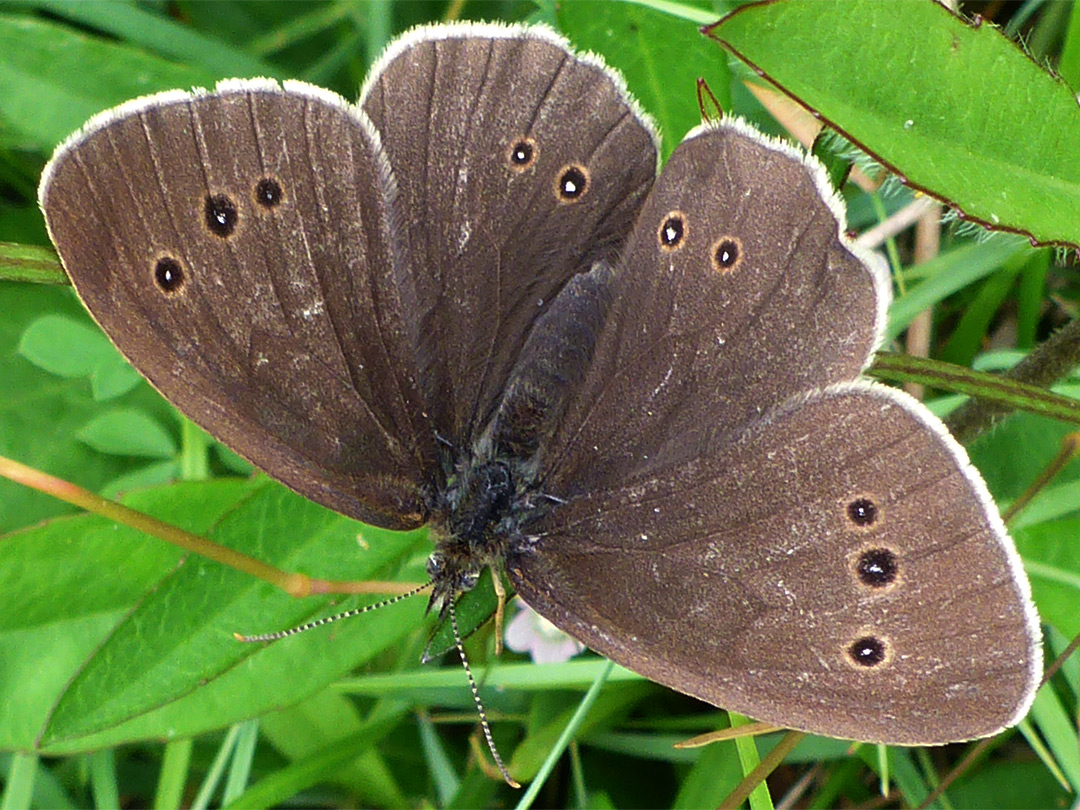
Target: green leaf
(78, 582)
(971, 332)
(142, 648)
(1008, 785)
(301, 731)
(714, 775)
(955, 109)
(1059, 730)
(72, 348)
(40, 412)
(128, 432)
(154, 474)
(113, 377)
(63, 346)
(473, 611)
(52, 79)
(611, 704)
(946, 273)
(158, 32)
(276, 788)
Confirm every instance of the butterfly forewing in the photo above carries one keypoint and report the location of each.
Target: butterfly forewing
(236, 248)
(518, 164)
(736, 292)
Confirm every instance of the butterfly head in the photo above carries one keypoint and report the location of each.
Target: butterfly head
(451, 575)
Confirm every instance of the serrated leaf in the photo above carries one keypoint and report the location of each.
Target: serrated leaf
(956, 109)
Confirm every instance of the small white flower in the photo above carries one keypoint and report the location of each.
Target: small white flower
(545, 643)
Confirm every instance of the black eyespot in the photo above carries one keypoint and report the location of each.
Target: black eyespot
(522, 154)
(877, 567)
(221, 215)
(572, 183)
(863, 512)
(867, 651)
(169, 274)
(727, 254)
(268, 193)
(672, 231)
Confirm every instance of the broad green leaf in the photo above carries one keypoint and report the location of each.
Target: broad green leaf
(67, 347)
(159, 33)
(954, 108)
(68, 583)
(140, 647)
(52, 79)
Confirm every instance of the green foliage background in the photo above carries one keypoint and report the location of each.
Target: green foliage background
(119, 678)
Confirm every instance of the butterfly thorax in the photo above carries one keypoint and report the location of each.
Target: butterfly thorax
(477, 516)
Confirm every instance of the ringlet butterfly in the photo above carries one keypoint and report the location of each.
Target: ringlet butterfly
(470, 301)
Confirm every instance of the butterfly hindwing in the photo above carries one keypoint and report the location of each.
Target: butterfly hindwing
(836, 568)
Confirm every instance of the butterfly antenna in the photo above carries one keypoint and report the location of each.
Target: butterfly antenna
(476, 698)
(348, 614)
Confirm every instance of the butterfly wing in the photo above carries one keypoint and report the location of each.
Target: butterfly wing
(839, 568)
(692, 347)
(519, 164)
(236, 247)
(739, 518)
